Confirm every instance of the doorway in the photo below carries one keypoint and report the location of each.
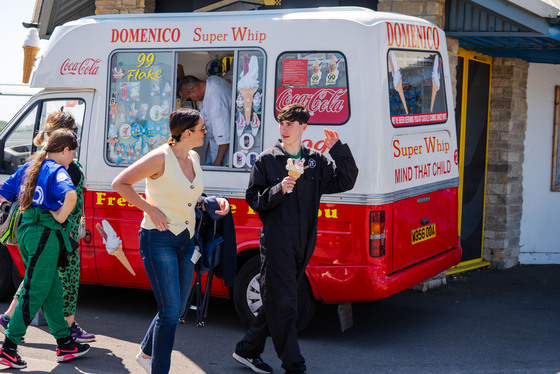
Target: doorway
(472, 117)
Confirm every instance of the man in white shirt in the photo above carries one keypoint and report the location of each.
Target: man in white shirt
(214, 97)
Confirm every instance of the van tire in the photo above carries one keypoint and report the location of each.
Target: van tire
(247, 282)
(6, 283)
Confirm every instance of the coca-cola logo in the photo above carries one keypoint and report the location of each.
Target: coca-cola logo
(89, 66)
(326, 105)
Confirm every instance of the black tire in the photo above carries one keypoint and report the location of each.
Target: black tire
(6, 282)
(247, 301)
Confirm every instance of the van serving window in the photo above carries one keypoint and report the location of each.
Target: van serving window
(227, 87)
(416, 88)
(140, 100)
(317, 80)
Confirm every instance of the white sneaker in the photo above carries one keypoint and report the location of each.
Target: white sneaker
(146, 363)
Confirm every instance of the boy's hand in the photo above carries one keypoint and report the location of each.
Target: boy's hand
(331, 137)
(288, 184)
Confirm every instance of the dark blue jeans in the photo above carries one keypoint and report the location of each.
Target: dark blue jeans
(167, 260)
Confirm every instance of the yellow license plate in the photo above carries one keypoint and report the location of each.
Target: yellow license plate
(423, 233)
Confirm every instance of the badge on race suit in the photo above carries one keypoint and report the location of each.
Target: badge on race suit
(246, 141)
(143, 115)
(125, 131)
(251, 158)
(155, 112)
(150, 129)
(239, 159)
(312, 163)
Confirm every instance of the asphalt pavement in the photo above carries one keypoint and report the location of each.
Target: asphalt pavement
(483, 321)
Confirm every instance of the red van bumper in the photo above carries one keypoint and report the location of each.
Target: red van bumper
(342, 284)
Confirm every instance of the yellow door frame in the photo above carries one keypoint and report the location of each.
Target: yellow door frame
(469, 55)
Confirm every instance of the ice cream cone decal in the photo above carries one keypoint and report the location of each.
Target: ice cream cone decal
(435, 80)
(30, 49)
(255, 124)
(397, 79)
(248, 84)
(239, 123)
(113, 244)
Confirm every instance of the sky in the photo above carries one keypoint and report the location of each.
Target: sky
(12, 36)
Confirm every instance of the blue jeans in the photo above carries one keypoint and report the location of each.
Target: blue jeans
(167, 260)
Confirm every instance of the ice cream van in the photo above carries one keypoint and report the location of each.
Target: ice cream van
(381, 80)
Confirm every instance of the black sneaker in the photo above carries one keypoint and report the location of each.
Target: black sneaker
(256, 364)
(68, 349)
(10, 357)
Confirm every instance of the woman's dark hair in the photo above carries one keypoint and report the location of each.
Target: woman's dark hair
(294, 112)
(180, 120)
(58, 141)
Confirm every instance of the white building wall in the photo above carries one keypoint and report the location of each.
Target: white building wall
(540, 223)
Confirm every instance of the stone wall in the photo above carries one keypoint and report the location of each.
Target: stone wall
(431, 10)
(124, 6)
(504, 181)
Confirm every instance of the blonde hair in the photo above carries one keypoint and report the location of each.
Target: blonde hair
(57, 119)
(58, 141)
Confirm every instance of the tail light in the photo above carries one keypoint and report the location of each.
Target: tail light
(377, 233)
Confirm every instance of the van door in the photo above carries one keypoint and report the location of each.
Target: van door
(424, 158)
(16, 139)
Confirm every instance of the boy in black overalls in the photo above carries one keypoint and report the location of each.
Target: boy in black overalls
(288, 208)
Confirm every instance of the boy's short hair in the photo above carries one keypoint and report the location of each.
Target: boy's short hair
(294, 112)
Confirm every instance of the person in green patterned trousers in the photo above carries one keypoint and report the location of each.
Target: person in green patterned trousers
(69, 275)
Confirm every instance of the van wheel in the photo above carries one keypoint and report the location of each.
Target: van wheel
(6, 283)
(247, 296)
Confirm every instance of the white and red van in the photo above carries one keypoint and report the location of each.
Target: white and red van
(381, 80)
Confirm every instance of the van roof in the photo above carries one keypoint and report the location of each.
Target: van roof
(350, 13)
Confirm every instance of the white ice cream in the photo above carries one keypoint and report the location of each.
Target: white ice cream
(251, 79)
(32, 39)
(113, 241)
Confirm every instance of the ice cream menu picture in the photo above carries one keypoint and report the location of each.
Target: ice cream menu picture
(248, 109)
(416, 89)
(316, 80)
(140, 102)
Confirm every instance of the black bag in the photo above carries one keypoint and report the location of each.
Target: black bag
(10, 218)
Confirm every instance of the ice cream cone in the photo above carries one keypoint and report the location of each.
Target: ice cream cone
(400, 90)
(31, 47)
(29, 54)
(435, 89)
(248, 94)
(118, 253)
(294, 173)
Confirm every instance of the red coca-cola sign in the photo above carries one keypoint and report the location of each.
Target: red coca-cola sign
(89, 66)
(326, 105)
